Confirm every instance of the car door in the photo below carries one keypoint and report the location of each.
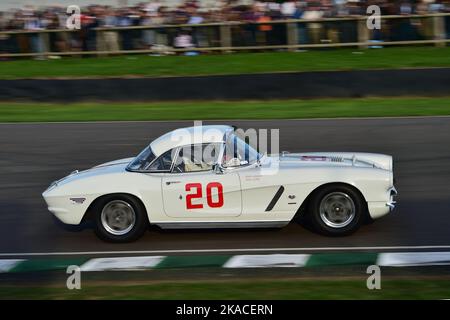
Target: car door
(258, 189)
(261, 193)
(194, 190)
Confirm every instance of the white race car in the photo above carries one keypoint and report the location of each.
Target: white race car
(172, 184)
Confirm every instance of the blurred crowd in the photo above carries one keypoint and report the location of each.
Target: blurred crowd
(193, 12)
(190, 12)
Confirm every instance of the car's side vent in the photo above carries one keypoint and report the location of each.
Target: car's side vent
(275, 199)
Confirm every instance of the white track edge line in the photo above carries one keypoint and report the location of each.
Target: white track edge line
(12, 254)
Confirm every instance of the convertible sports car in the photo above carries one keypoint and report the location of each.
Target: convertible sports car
(209, 177)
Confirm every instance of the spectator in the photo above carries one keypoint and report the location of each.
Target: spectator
(313, 12)
(288, 9)
(110, 40)
(183, 40)
(34, 22)
(192, 12)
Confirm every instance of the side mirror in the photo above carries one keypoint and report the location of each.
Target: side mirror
(218, 169)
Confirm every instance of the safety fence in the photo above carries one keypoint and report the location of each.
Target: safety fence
(290, 34)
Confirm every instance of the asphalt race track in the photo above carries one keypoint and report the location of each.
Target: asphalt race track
(34, 155)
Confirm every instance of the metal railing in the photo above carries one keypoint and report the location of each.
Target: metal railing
(291, 34)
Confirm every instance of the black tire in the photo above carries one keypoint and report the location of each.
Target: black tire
(136, 230)
(337, 195)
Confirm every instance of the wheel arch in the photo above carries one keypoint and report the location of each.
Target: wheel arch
(304, 206)
(88, 215)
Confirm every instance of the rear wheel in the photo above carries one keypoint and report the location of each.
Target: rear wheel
(120, 218)
(336, 210)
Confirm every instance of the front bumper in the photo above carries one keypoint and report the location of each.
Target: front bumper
(68, 209)
(392, 194)
(377, 209)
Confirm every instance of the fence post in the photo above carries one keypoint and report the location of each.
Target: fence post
(46, 42)
(225, 36)
(439, 30)
(292, 34)
(99, 41)
(363, 32)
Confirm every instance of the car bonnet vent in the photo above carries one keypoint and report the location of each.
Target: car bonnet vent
(336, 159)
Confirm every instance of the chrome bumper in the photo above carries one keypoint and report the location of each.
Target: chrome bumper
(392, 193)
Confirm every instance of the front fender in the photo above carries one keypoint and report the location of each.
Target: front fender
(70, 201)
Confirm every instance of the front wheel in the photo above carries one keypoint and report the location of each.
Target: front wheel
(336, 211)
(120, 218)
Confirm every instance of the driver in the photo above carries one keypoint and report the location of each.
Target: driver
(231, 156)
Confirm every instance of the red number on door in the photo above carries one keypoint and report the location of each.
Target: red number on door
(196, 195)
(209, 198)
(212, 203)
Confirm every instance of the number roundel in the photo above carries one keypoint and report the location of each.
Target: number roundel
(197, 194)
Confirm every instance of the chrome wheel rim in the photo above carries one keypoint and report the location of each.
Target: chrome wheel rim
(118, 217)
(337, 210)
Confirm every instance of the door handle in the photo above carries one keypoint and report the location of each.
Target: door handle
(170, 182)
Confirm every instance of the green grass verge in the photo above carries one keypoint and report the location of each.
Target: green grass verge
(260, 289)
(142, 65)
(273, 109)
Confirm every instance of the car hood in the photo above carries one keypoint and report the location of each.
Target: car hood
(115, 162)
(111, 167)
(360, 159)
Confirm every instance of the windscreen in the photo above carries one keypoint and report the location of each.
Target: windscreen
(142, 161)
(238, 148)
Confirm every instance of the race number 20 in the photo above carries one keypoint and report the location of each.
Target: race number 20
(196, 193)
